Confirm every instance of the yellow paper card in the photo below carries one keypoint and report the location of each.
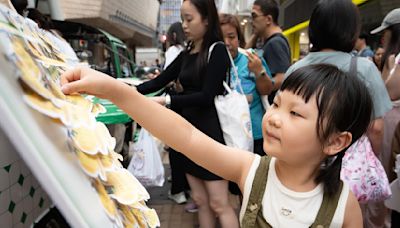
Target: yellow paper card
(126, 189)
(108, 204)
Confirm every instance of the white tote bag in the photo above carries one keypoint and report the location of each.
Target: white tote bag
(234, 114)
(146, 163)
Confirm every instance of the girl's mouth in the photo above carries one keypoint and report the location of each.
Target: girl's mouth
(271, 135)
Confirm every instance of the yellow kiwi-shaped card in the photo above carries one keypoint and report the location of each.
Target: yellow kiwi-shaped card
(98, 109)
(79, 101)
(108, 142)
(109, 205)
(76, 117)
(91, 164)
(85, 139)
(42, 105)
(150, 215)
(111, 161)
(126, 189)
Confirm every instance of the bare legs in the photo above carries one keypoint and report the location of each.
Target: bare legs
(212, 200)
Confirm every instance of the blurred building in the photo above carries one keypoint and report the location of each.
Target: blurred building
(134, 21)
(170, 12)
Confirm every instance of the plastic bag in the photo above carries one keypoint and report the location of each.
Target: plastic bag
(234, 113)
(146, 163)
(364, 173)
(234, 117)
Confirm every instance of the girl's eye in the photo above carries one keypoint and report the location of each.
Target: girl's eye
(274, 104)
(295, 114)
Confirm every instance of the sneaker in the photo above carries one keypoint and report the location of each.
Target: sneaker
(191, 207)
(179, 198)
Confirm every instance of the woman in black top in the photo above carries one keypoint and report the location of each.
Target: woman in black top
(201, 79)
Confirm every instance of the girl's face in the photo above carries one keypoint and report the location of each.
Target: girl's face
(194, 26)
(231, 38)
(289, 129)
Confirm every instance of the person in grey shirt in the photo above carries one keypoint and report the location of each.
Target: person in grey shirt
(276, 50)
(332, 42)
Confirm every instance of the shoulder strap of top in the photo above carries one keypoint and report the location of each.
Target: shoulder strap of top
(212, 48)
(327, 209)
(257, 193)
(353, 66)
(277, 35)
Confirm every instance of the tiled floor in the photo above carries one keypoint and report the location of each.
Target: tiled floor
(172, 215)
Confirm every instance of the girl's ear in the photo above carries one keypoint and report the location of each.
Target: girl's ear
(337, 143)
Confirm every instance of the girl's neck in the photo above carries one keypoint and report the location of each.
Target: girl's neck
(197, 46)
(297, 178)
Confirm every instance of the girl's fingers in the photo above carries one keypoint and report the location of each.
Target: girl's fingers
(70, 81)
(71, 75)
(73, 87)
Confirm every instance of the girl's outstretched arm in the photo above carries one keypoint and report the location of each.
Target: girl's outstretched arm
(229, 163)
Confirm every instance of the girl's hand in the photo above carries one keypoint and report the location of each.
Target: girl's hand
(254, 63)
(88, 81)
(159, 100)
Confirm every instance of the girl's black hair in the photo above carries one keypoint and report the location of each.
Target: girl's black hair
(334, 24)
(175, 34)
(393, 46)
(344, 104)
(208, 11)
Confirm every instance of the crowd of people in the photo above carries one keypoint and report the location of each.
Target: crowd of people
(304, 116)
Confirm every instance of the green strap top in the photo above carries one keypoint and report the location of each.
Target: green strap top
(253, 216)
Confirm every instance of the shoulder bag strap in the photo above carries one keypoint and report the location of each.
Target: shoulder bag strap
(353, 66)
(235, 73)
(257, 192)
(327, 209)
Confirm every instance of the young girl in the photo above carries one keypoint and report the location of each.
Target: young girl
(318, 113)
(201, 79)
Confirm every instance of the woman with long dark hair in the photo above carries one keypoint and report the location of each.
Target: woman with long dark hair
(201, 79)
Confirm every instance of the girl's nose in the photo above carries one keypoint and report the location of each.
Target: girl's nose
(274, 121)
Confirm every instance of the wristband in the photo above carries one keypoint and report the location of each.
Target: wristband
(261, 74)
(167, 101)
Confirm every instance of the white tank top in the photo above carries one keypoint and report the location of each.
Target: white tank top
(283, 207)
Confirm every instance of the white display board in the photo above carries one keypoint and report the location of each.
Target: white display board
(43, 146)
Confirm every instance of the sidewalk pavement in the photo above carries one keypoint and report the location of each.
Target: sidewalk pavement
(171, 215)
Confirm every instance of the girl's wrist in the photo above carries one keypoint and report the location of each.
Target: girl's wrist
(117, 90)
